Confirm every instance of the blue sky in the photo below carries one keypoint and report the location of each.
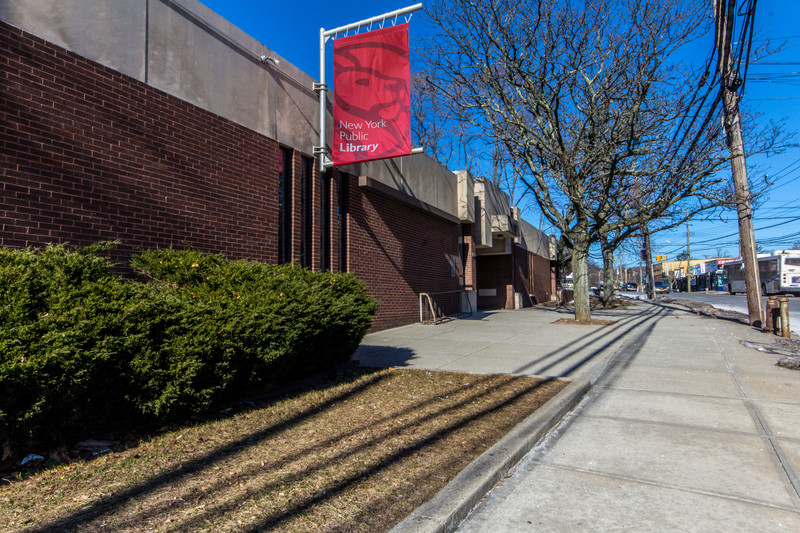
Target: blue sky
(292, 30)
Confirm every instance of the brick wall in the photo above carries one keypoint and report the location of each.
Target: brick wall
(90, 154)
(398, 251)
(494, 272)
(532, 276)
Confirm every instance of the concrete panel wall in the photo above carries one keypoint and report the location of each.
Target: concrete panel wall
(186, 50)
(533, 240)
(418, 176)
(110, 32)
(466, 195)
(492, 202)
(200, 57)
(500, 246)
(495, 201)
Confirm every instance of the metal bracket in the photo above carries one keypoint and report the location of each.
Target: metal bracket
(320, 87)
(326, 161)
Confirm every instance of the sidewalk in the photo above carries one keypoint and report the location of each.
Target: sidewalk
(684, 429)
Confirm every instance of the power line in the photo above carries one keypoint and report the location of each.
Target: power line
(756, 229)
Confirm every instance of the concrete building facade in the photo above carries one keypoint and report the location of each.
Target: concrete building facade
(156, 122)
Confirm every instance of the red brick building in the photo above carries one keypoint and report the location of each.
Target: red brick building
(122, 133)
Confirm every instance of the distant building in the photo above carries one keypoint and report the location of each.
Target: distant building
(703, 273)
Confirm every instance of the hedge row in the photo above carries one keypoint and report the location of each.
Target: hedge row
(80, 346)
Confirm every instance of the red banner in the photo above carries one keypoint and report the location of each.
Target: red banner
(371, 110)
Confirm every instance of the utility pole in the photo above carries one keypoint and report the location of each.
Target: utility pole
(730, 81)
(688, 256)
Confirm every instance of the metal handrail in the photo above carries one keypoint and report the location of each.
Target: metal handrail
(421, 307)
(436, 319)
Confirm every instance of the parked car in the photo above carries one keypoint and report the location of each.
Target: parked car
(631, 286)
(660, 287)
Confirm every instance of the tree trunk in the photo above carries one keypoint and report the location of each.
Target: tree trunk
(608, 273)
(648, 261)
(580, 274)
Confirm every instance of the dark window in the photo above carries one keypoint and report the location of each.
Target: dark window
(734, 272)
(285, 206)
(306, 212)
(342, 212)
(325, 244)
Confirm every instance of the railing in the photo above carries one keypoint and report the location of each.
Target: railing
(437, 307)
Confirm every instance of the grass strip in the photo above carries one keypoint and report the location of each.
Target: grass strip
(357, 453)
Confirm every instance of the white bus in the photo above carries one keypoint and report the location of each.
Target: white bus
(778, 273)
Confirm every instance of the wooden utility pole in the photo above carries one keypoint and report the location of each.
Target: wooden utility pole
(730, 81)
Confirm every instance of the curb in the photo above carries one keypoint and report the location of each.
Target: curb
(453, 503)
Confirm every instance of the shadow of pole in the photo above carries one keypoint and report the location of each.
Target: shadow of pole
(345, 454)
(610, 372)
(585, 342)
(107, 505)
(386, 462)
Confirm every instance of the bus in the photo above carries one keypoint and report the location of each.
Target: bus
(778, 273)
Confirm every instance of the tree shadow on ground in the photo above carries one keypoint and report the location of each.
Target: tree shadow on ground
(248, 486)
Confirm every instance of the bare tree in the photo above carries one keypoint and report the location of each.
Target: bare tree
(431, 120)
(608, 129)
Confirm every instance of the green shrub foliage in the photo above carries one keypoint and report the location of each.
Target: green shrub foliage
(79, 346)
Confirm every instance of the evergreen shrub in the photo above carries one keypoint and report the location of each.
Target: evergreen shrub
(80, 346)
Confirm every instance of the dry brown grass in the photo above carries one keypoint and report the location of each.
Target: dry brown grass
(358, 453)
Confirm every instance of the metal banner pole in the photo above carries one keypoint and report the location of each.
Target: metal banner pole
(322, 86)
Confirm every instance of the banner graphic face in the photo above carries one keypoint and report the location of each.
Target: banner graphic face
(371, 110)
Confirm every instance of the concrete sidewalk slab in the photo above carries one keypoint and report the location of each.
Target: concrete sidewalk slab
(725, 463)
(675, 380)
(687, 410)
(566, 501)
(686, 421)
(684, 429)
(783, 418)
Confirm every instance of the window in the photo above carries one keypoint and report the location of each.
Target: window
(341, 184)
(325, 236)
(284, 206)
(306, 211)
